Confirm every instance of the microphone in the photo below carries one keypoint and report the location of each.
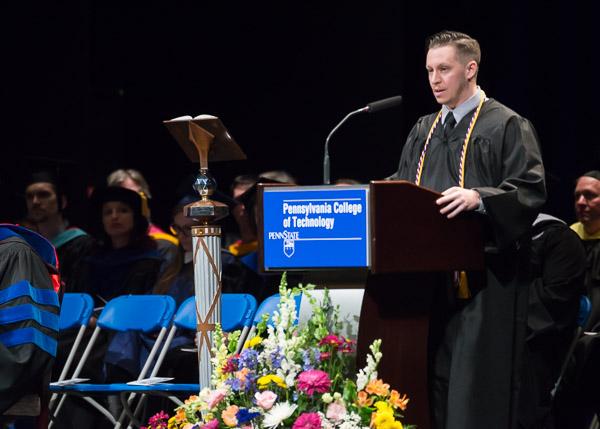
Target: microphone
(386, 103)
(373, 107)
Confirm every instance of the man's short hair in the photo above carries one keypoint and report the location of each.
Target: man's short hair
(47, 176)
(467, 48)
(594, 174)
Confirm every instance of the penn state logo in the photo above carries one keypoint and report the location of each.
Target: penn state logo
(288, 247)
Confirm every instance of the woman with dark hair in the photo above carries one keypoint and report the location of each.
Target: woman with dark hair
(123, 259)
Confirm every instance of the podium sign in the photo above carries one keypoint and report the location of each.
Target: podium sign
(315, 227)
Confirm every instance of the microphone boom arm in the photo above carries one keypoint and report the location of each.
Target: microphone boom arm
(326, 164)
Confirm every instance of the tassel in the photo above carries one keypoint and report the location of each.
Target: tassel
(463, 287)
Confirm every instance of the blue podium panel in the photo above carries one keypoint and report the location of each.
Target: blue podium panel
(315, 227)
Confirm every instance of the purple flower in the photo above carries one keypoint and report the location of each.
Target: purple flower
(248, 358)
(308, 421)
(276, 357)
(235, 383)
(306, 361)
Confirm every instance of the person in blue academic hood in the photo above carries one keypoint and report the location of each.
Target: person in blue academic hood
(29, 309)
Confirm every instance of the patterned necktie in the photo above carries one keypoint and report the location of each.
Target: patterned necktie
(449, 124)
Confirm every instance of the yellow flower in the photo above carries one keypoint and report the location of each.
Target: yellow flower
(385, 420)
(228, 415)
(378, 387)
(264, 381)
(172, 423)
(397, 402)
(384, 407)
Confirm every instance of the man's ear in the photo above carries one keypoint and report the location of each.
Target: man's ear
(471, 70)
(63, 203)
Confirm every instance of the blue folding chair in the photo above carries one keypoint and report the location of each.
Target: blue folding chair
(585, 308)
(141, 313)
(75, 312)
(237, 312)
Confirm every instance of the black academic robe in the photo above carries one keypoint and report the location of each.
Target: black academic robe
(558, 269)
(70, 255)
(476, 344)
(29, 316)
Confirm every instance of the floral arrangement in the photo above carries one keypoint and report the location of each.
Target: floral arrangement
(291, 376)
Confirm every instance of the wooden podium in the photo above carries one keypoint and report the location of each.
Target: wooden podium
(413, 247)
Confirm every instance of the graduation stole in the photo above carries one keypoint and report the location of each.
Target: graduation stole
(463, 152)
(463, 288)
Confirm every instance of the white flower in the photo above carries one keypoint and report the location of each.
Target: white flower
(278, 414)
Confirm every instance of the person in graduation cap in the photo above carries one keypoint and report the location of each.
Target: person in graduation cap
(482, 157)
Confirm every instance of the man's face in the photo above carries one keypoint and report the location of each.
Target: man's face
(42, 202)
(182, 226)
(448, 77)
(587, 203)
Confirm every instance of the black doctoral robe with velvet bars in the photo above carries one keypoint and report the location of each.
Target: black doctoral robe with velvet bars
(29, 313)
(476, 344)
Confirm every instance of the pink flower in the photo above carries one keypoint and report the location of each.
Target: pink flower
(215, 397)
(309, 381)
(335, 411)
(347, 346)
(331, 340)
(308, 421)
(158, 421)
(213, 424)
(265, 399)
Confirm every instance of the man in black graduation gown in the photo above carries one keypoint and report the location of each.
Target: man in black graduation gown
(484, 157)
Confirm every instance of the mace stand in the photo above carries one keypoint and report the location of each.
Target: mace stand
(207, 284)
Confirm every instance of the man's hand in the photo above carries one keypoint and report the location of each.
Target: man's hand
(456, 200)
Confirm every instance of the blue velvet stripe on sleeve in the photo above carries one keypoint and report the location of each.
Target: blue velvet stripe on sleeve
(25, 312)
(29, 335)
(24, 288)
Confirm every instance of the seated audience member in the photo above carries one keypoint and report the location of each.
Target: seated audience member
(129, 351)
(580, 398)
(558, 269)
(46, 204)
(245, 213)
(133, 180)
(28, 280)
(587, 211)
(247, 248)
(231, 233)
(124, 259)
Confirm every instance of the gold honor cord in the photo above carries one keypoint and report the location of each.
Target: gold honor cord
(463, 153)
(203, 327)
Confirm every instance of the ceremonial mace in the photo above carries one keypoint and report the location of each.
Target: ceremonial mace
(204, 139)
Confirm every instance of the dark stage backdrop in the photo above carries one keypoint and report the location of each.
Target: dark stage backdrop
(87, 85)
